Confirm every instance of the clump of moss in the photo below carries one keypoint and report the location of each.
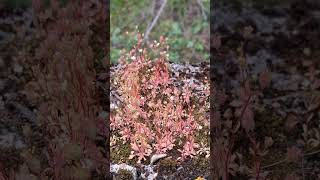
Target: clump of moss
(124, 152)
(202, 135)
(167, 166)
(124, 175)
(189, 171)
(201, 161)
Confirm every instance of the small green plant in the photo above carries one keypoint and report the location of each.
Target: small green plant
(182, 22)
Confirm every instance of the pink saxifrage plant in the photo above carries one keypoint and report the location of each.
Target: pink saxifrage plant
(156, 115)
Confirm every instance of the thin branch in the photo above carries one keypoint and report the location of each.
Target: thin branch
(312, 153)
(274, 164)
(150, 27)
(202, 9)
(284, 160)
(302, 167)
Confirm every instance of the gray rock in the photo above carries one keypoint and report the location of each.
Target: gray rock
(156, 157)
(11, 140)
(17, 68)
(24, 112)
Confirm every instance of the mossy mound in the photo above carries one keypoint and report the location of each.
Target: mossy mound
(123, 175)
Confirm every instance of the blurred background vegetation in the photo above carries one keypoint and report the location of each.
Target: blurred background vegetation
(184, 22)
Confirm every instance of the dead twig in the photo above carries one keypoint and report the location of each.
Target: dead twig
(285, 159)
(153, 23)
(202, 9)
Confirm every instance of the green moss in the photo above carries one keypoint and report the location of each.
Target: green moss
(121, 153)
(167, 166)
(202, 136)
(201, 162)
(195, 167)
(124, 175)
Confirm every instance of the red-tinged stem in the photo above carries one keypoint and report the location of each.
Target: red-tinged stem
(228, 156)
(258, 170)
(245, 107)
(258, 160)
(232, 141)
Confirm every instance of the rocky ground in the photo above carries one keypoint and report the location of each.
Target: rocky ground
(15, 111)
(280, 39)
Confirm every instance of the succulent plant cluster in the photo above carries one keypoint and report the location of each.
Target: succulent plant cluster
(156, 116)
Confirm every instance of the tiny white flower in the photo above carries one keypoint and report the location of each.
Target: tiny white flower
(133, 57)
